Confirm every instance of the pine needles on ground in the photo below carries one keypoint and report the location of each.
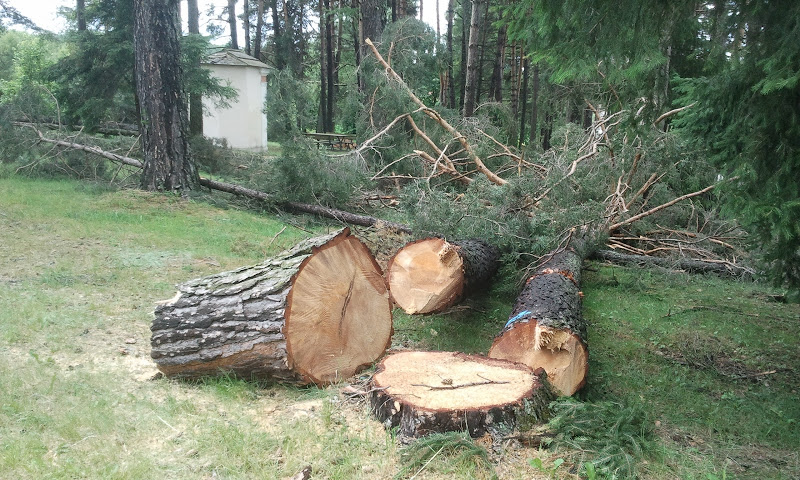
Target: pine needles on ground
(611, 436)
(446, 453)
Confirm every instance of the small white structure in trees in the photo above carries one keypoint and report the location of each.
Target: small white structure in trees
(243, 124)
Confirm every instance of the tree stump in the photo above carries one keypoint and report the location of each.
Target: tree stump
(428, 392)
(429, 275)
(546, 327)
(316, 313)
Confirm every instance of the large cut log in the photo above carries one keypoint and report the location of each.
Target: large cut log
(429, 392)
(316, 313)
(546, 327)
(429, 275)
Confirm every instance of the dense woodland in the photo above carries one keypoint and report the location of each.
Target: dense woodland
(668, 129)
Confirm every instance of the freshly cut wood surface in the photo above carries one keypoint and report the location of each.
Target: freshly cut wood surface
(546, 328)
(431, 274)
(426, 392)
(338, 316)
(238, 322)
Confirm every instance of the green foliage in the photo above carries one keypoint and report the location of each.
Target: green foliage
(611, 436)
(291, 106)
(452, 453)
(746, 117)
(304, 174)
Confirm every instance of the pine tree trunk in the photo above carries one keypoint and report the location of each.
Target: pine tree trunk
(471, 81)
(195, 99)
(232, 24)
(163, 116)
(429, 392)
(258, 39)
(546, 328)
(316, 313)
(430, 275)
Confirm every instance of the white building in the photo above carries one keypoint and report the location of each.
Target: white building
(244, 123)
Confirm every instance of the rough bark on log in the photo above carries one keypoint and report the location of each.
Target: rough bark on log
(428, 392)
(546, 327)
(316, 313)
(429, 275)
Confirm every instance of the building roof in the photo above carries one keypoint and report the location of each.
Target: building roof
(233, 57)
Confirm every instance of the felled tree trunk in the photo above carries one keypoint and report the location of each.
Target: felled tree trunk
(546, 327)
(316, 313)
(429, 392)
(429, 275)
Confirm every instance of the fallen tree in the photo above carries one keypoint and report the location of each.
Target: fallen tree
(327, 212)
(426, 392)
(316, 313)
(546, 328)
(432, 274)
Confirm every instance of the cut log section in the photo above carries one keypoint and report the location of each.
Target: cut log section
(432, 274)
(316, 313)
(429, 392)
(546, 327)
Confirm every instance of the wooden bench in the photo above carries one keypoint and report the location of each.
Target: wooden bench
(333, 141)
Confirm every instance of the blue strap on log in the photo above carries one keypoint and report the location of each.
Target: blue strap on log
(517, 317)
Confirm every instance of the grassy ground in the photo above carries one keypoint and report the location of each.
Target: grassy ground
(711, 363)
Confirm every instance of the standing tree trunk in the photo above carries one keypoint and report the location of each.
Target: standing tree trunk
(277, 37)
(471, 81)
(316, 313)
(429, 275)
(329, 66)
(233, 25)
(258, 38)
(496, 82)
(534, 106)
(546, 328)
(447, 89)
(163, 122)
(428, 392)
(523, 99)
(80, 15)
(248, 46)
(195, 99)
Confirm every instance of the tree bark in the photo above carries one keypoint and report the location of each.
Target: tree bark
(232, 25)
(195, 99)
(248, 46)
(258, 37)
(429, 392)
(432, 274)
(317, 313)
(163, 122)
(80, 15)
(723, 269)
(471, 81)
(546, 328)
(496, 82)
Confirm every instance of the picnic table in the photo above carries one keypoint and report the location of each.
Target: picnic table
(333, 141)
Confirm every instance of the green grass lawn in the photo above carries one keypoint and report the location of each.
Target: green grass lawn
(712, 364)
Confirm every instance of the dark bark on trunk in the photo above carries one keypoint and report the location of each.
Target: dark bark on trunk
(277, 37)
(80, 15)
(496, 82)
(329, 67)
(291, 318)
(471, 81)
(535, 106)
(232, 24)
(163, 118)
(431, 274)
(448, 94)
(248, 46)
(546, 328)
(322, 116)
(524, 99)
(462, 70)
(258, 39)
(195, 99)
(420, 393)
